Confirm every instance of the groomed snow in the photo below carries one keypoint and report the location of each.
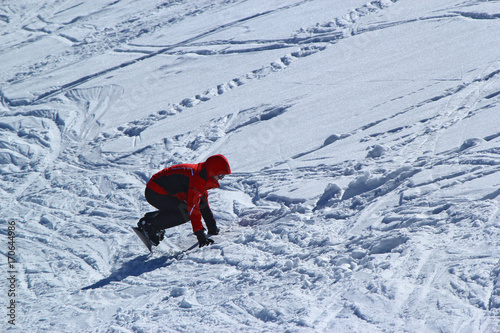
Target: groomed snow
(364, 139)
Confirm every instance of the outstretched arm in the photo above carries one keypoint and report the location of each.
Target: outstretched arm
(208, 216)
(193, 203)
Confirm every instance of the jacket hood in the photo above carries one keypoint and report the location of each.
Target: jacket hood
(217, 165)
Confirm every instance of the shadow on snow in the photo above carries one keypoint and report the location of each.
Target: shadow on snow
(135, 267)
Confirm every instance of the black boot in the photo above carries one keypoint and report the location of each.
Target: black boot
(154, 235)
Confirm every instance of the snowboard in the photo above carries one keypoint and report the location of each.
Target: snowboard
(143, 238)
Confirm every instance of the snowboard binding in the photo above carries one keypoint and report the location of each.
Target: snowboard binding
(148, 234)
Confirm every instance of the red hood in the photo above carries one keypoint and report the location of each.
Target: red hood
(216, 165)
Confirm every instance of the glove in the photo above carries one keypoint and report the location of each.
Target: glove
(202, 238)
(213, 230)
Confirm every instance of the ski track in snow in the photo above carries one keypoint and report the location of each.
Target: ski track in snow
(405, 238)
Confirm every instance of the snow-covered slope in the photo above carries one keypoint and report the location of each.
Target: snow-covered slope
(364, 139)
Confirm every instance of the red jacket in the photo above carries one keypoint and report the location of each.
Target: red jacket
(189, 182)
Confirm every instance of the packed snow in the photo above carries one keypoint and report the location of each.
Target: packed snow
(364, 139)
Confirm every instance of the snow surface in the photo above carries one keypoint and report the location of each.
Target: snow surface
(364, 139)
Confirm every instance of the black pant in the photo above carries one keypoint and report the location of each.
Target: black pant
(173, 212)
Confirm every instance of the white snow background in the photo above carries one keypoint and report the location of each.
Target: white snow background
(364, 139)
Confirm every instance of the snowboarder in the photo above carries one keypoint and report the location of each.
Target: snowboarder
(180, 194)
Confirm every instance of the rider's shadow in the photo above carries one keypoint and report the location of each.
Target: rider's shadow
(135, 267)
